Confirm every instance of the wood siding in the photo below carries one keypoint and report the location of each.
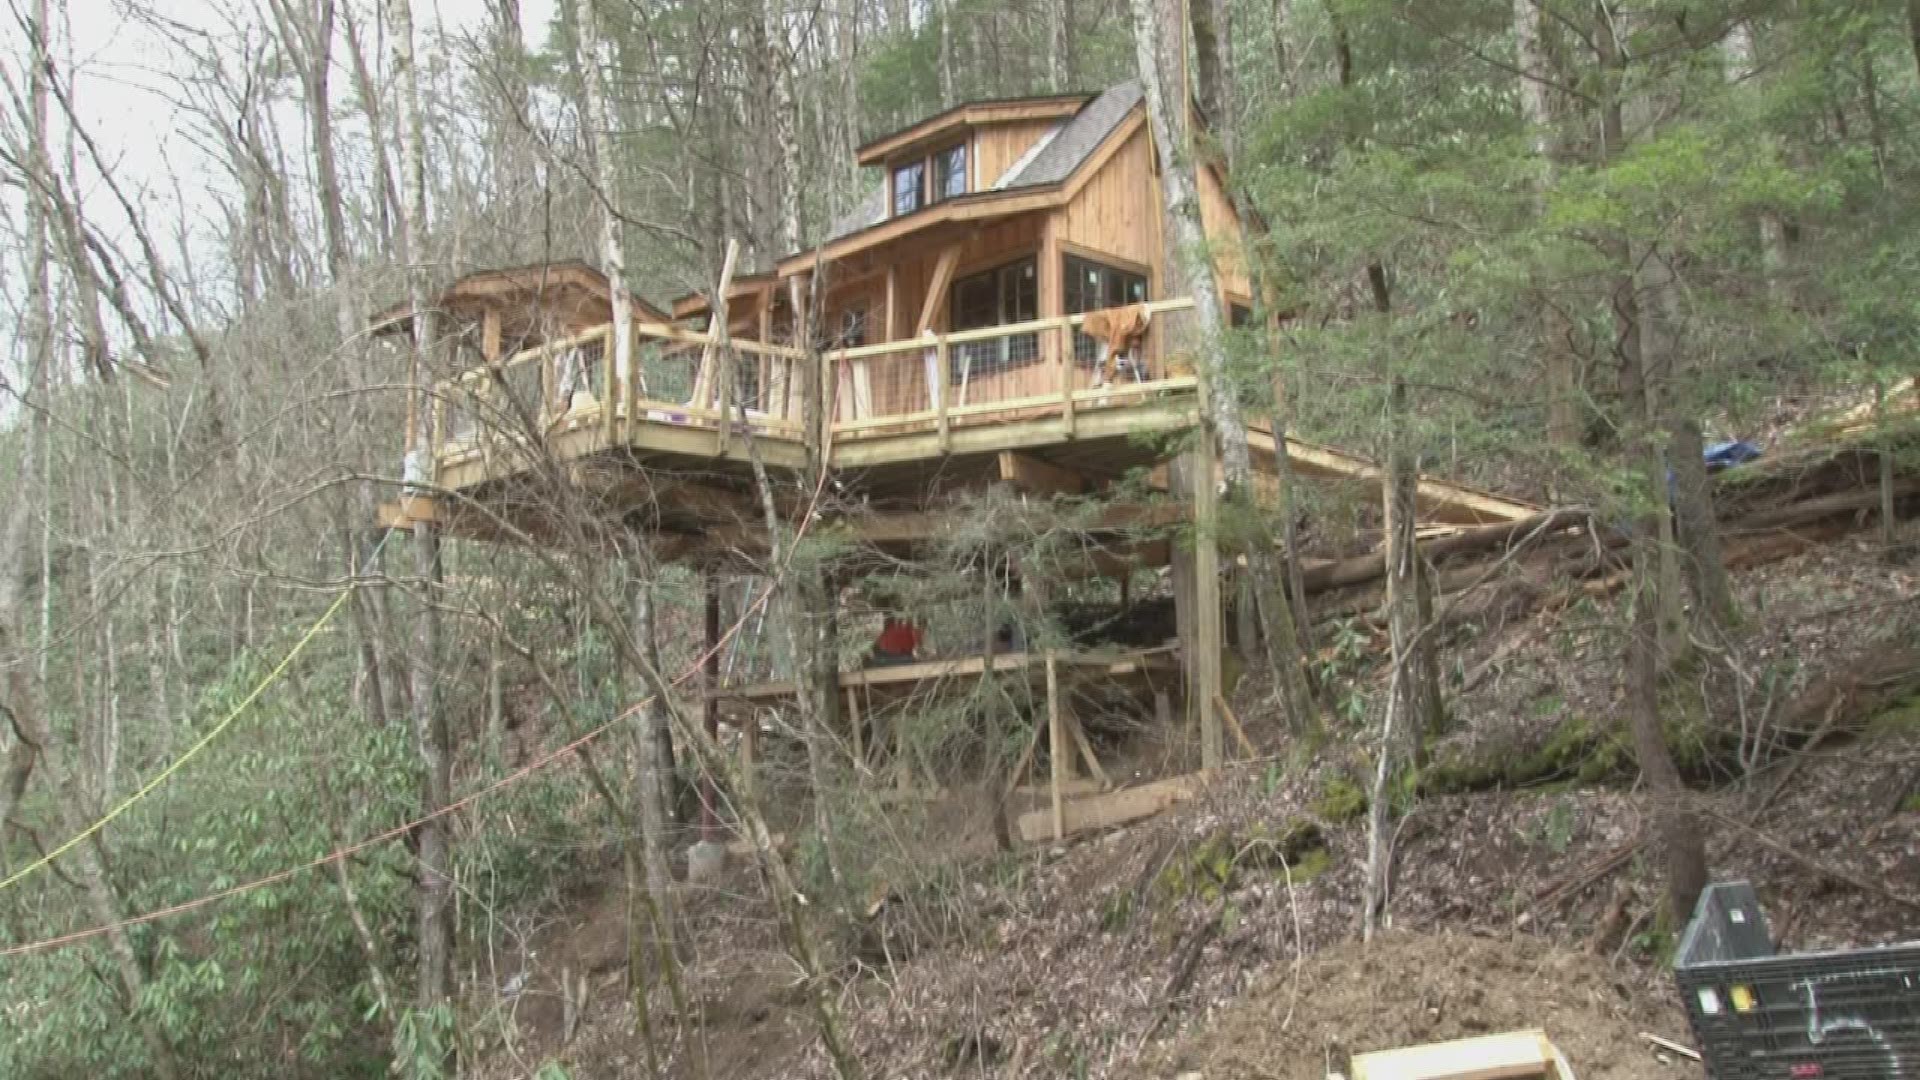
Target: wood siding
(997, 146)
(1117, 211)
(1114, 216)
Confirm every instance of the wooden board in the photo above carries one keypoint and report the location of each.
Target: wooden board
(905, 675)
(1114, 808)
(1517, 1055)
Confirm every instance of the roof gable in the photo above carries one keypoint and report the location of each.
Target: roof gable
(1052, 159)
(969, 114)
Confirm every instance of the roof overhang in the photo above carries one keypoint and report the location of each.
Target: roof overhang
(744, 285)
(493, 286)
(972, 114)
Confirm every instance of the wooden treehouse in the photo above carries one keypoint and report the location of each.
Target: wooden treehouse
(999, 311)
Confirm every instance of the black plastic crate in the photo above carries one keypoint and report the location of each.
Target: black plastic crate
(1848, 1015)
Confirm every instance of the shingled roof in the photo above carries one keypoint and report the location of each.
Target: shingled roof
(1054, 157)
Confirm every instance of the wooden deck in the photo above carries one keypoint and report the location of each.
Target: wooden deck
(908, 428)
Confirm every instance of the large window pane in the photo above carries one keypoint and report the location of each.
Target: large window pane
(950, 172)
(908, 186)
(1091, 286)
(1005, 294)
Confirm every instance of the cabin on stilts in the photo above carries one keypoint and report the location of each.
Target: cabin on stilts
(999, 311)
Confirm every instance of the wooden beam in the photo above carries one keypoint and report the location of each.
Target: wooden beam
(890, 326)
(1111, 809)
(936, 298)
(1518, 1055)
(1037, 477)
(490, 344)
(1086, 749)
(1438, 500)
(1233, 724)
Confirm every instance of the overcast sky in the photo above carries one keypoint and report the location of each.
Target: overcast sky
(128, 87)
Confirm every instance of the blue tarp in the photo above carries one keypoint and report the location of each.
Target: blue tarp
(1725, 455)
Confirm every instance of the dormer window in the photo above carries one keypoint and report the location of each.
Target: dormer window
(950, 172)
(909, 187)
(946, 168)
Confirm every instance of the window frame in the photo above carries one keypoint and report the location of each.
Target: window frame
(937, 160)
(918, 167)
(1112, 277)
(981, 359)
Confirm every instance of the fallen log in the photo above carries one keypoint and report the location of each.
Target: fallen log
(1811, 510)
(1363, 568)
(1114, 808)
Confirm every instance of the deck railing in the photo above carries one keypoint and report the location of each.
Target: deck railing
(673, 376)
(942, 381)
(576, 383)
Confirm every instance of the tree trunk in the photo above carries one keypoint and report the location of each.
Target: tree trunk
(432, 735)
(1698, 529)
(1418, 673)
(600, 149)
(1564, 428)
(1742, 66)
(1679, 829)
(1913, 31)
(1403, 728)
(653, 787)
(386, 194)
(1180, 191)
(943, 12)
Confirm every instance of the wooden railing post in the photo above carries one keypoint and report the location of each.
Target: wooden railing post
(1064, 363)
(437, 402)
(631, 392)
(609, 388)
(943, 389)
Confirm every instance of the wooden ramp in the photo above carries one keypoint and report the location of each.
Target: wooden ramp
(1517, 1055)
(1439, 501)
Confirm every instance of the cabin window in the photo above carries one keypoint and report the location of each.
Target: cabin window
(950, 172)
(1090, 286)
(1239, 316)
(1005, 294)
(909, 187)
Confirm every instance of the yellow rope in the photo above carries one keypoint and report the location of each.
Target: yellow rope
(272, 677)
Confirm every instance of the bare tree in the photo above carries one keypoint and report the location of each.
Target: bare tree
(431, 732)
(1180, 189)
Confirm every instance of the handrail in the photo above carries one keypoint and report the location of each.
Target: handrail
(988, 333)
(621, 400)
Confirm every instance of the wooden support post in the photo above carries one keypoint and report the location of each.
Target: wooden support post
(490, 335)
(853, 723)
(749, 751)
(609, 384)
(943, 372)
(1037, 477)
(902, 766)
(1057, 748)
(630, 388)
(1206, 581)
(710, 679)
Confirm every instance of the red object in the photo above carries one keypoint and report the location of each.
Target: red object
(1807, 1071)
(897, 638)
